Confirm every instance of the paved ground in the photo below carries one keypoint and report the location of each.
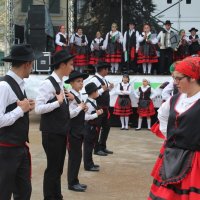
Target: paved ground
(125, 175)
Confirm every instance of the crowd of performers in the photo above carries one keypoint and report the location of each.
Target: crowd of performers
(133, 50)
(70, 123)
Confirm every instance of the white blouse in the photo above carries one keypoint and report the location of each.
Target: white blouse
(124, 91)
(112, 34)
(183, 104)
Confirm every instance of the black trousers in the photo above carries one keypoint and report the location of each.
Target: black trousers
(132, 64)
(91, 136)
(15, 168)
(166, 59)
(55, 148)
(104, 131)
(74, 158)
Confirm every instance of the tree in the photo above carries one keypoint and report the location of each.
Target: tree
(99, 15)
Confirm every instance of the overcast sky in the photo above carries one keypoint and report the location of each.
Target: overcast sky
(190, 13)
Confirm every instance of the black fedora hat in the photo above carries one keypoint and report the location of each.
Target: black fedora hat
(20, 52)
(193, 29)
(75, 74)
(102, 64)
(168, 22)
(90, 87)
(61, 56)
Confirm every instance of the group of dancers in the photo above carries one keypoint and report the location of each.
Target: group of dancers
(68, 123)
(133, 49)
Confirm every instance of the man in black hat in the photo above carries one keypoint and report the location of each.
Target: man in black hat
(103, 101)
(52, 104)
(194, 47)
(15, 165)
(130, 47)
(167, 39)
(77, 109)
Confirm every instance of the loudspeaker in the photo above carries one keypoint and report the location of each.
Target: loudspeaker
(43, 63)
(36, 17)
(169, 1)
(188, 1)
(37, 39)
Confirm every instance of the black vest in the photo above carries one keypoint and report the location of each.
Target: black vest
(104, 99)
(62, 39)
(18, 132)
(183, 131)
(58, 120)
(130, 41)
(97, 121)
(83, 38)
(77, 123)
(145, 95)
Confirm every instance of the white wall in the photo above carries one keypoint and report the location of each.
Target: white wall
(190, 13)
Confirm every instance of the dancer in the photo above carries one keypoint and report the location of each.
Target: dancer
(61, 39)
(123, 106)
(194, 47)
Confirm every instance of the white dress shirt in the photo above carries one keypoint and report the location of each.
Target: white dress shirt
(183, 104)
(88, 115)
(7, 98)
(144, 89)
(58, 38)
(47, 92)
(74, 108)
(168, 90)
(96, 81)
(95, 41)
(130, 33)
(124, 91)
(161, 37)
(153, 40)
(112, 35)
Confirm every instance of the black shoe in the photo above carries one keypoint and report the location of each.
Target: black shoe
(122, 128)
(137, 129)
(83, 186)
(96, 165)
(100, 153)
(93, 169)
(108, 151)
(126, 129)
(76, 188)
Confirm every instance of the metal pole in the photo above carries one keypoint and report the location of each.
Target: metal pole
(179, 13)
(122, 16)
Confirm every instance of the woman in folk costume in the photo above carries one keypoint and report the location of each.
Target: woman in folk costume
(194, 41)
(182, 49)
(177, 170)
(113, 46)
(97, 49)
(61, 39)
(123, 107)
(79, 47)
(147, 51)
(145, 94)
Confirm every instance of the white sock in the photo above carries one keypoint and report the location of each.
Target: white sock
(126, 122)
(149, 68)
(144, 67)
(148, 122)
(139, 123)
(122, 121)
(112, 67)
(116, 67)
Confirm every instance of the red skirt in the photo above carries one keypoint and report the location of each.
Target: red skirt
(146, 112)
(147, 58)
(186, 189)
(80, 60)
(94, 60)
(123, 110)
(114, 58)
(58, 48)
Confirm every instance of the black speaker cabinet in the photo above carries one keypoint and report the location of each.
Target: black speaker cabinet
(43, 63)
(36, 17)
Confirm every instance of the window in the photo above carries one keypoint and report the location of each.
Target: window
(54, 6)
(26, 4)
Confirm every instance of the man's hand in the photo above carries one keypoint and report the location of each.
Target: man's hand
(69, 96)
(111, 86)
(99, 112)
(24, 105)
(32, 104)
(60, 97)
(105, 88)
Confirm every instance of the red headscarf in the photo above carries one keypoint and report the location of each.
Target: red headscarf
(189, 67)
